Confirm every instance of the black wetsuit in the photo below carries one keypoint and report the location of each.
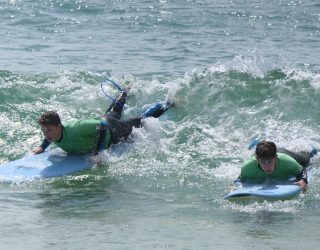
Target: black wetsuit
(120, 130)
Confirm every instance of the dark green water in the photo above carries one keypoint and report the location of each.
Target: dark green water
(166, 189)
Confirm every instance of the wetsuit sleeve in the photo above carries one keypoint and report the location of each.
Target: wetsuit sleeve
(101, 135)
(303, 176)
(45, 143)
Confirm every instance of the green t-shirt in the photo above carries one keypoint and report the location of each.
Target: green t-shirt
(286, 167)
(80, 136)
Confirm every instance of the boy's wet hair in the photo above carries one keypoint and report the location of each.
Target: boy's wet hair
(266, 150)
(49, 118)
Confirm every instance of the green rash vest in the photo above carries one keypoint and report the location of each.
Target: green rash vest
(80, 136)
(286, 167)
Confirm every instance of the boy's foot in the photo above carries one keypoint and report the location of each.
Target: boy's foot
(122, 97)
(313, 152)
(171, 104)
(253, 142)
(157, 109)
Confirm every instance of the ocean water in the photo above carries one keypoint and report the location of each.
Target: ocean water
(234, 68)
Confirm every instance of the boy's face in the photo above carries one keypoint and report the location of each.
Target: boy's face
(267, 165)
(51, 132)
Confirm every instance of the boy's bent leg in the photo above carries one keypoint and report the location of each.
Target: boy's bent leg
(303, 158)
(116, 107)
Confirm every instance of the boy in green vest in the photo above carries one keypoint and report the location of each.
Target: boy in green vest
(272, 164)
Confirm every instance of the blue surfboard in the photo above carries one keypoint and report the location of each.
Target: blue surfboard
(271, 191)
(52, 163)
(284, 190)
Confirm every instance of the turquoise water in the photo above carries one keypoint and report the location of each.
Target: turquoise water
(235, 69)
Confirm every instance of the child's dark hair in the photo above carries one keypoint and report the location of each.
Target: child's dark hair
(266, 150)
(49, 118)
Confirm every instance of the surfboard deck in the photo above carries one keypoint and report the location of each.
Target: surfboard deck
(274, 191)
(52, 163)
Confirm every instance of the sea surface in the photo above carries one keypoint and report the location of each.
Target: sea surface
(235, 69)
